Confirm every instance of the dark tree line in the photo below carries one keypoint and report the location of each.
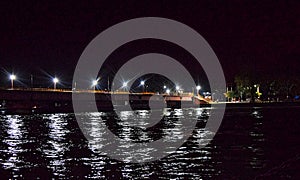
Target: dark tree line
(253, 87)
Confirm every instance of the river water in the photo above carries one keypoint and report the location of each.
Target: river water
(252, 142)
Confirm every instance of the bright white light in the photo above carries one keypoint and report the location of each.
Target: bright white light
(165, 87)
(168, 91)
(125, 84)
(177, 88)
(142, 83)
(198, 87)
(55, 80)
(12, 77)
(95, 82)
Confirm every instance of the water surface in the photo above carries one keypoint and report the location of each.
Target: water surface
(251, 143)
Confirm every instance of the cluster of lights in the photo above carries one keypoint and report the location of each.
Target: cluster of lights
(13, 77)
(55, 80)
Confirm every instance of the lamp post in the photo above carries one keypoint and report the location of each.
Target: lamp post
(125, 85)
(12, 77)
(177, 90)
(168, 91)
(55, 80)
(94, 84)
(143, 84)
(165, 87)
(31, 81)
(198, 88)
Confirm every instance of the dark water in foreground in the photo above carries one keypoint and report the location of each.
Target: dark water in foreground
(251, 143)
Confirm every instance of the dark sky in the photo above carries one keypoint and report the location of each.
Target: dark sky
(39, 38)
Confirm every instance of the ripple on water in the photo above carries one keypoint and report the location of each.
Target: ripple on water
(52, 145)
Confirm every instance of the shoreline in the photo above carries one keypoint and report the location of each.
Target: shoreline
(39, 102)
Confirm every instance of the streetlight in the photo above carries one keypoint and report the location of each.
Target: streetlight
(12, 77)
(143, 84)
(177, 89)
(198, 88)
(55, 80)
(125, 85)
(168, 91)
(165, 87)
(94, 84)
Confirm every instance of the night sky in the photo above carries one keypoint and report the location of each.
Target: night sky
(48, 39)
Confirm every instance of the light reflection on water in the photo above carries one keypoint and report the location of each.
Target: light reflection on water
(257, 136)
(57, 144)
(51, 145)
(14, 141)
